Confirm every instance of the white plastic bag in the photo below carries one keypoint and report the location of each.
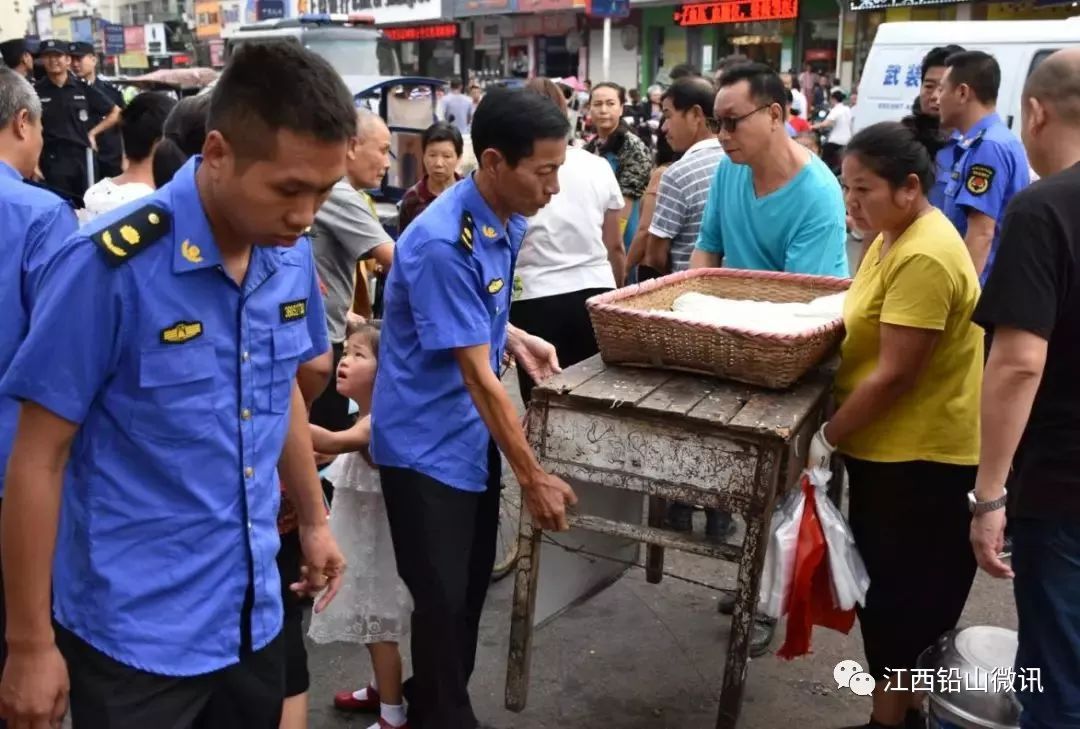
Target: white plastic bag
(849, 578)
(780, 555)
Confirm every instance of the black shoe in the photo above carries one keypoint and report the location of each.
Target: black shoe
(719, 526)
(761, 632)
(680, 517)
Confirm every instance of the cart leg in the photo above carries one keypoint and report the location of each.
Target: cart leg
(522, 614)
(654, 556)
(746, 596)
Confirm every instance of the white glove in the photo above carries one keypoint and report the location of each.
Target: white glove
(821, 450)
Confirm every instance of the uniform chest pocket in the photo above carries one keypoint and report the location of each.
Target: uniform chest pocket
(288, 344)
(175, 399)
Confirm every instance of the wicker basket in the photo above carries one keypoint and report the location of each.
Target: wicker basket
(631, 332)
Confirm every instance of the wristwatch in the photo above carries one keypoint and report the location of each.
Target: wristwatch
(978, 508)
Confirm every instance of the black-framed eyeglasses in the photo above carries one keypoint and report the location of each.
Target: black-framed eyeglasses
(730, 123)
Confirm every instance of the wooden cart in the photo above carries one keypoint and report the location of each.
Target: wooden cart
(667, 436)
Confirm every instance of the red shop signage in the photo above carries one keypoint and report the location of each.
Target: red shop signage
(422, 32)
(736, 11)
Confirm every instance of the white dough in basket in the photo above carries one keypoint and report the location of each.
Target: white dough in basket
(763, 316)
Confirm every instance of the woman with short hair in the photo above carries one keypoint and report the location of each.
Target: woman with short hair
(441, 149)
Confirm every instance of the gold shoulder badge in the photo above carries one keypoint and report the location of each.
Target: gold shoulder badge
(191, 253)
(495, 285)
(128, 236)
(979, 179)
(293, 310)
(488, 231)
(466, 237)
(181, 331)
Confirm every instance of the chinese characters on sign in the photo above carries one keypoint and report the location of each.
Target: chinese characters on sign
(950, 680)
(912, 77)
(422, 32)
(736, 11)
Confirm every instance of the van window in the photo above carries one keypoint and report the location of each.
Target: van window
(1039, 58)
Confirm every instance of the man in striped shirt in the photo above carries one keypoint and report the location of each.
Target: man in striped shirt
(684, 187)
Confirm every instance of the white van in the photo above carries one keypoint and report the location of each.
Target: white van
(891, 77)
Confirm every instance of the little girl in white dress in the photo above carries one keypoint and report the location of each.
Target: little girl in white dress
(373, 606)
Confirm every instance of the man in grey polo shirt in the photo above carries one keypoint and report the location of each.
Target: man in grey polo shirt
(347, 230)
(684, 187)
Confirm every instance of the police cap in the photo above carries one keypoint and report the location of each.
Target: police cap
(81, 48)
(53, 46)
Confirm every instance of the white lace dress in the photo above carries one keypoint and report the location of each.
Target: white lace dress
(373, 605)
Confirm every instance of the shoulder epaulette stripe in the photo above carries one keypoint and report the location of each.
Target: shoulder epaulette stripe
(132, 234)
(466, 239)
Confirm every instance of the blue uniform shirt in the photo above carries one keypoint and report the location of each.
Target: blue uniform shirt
(990, 167)
(799, 228)
(33, 224)
(180, 381)
(449, 287)
(943, 165)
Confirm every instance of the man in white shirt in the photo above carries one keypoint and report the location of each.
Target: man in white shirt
(838, 124)
(572, 250)
(141, 127)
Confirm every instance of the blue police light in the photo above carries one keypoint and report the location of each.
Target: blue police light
(315, 18)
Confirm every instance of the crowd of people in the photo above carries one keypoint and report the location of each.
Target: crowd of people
(200, 434)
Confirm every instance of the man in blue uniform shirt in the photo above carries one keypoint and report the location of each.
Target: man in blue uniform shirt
(160, 373)
(990, 164)
(927, 111)
(33, 224)
(439, 408)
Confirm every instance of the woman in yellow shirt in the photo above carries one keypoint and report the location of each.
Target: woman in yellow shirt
(908, 416)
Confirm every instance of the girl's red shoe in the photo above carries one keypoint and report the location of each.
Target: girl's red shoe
(346, 701)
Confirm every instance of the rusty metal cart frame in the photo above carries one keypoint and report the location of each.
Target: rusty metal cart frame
(670, 436)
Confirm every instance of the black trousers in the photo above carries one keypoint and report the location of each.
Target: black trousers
(331, 409)
(911, 523)
(562, 320)
(64, 169)
(107, 694)
(444, 542)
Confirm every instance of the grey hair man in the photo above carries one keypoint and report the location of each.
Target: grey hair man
(33, 223)
(347, 230)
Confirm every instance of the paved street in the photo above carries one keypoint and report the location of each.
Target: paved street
(641, 656)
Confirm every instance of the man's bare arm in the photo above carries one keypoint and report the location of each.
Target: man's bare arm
(704, 259)
(546, 496)
(979, 238)
(614, 244)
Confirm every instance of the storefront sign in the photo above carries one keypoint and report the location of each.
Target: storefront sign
(61, 27)
(467, 8)
(43, 21)
(134, 38)
(270, 9)
(384, 12)
(544, 6)
(134, 60)
(155, 39)
(607, 8)
(217, 53)
(231, 16)
(525, 26)
(883, 4)
(422, 32)
(82, 30)
(207, 19)
(114, 38)
(736, 11)
(489, 32)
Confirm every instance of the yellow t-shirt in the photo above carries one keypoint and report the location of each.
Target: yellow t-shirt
(927, 281)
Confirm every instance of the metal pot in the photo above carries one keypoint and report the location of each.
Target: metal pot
(974, 655)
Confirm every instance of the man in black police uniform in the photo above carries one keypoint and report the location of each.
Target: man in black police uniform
(16, 55)
(110, 149)
(67, 105)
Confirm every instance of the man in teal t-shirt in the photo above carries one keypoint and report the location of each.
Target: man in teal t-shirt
(773, 206)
